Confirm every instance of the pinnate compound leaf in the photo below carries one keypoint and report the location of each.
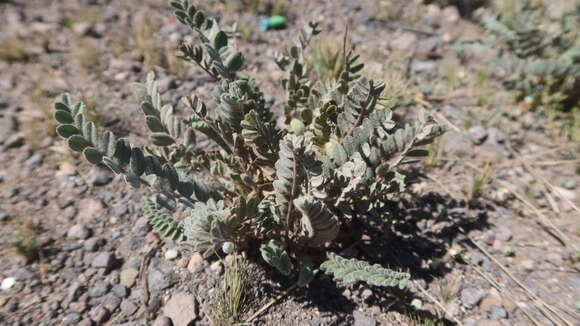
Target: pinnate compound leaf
(163, 223)
(354, 270)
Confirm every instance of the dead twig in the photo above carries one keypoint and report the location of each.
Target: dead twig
(143, 275)
(271, 303)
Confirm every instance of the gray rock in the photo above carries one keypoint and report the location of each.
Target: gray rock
(166, 83)
(35, 159)
(142, 226)
(9, 125)
(163, 321)
(128, 308)
(455, 143)
(3, 215)
(81, 28)
(496, 313)
(404, 41)
(424, 66)
(477, 134)
(159, 280)
(86, 322)
(99, 176)
(503, 234)
(488, 237)
(362, 319)
(528, 265)
(78, 231)
(99, 314)
(93, 244)
(575, 283)
(99, 289)
(450, 15)
(569, 184)
(14, 140)
(430, 21)
(74, 291)
(120, 290)
(70, 212)
(111, 302)
(181, 309)
(103, 260)
(72, 319)
(554, 259)
(128, 277)
(471, 296)
(496, 135)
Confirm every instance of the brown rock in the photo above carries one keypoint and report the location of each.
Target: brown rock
(128, 277)
(509, 305)
(489, 323)
(196, 263)
(181, 308)
(151, 237)
(162, 321)
(89, 209)
(128, 308)
(405, 41)
(99, 315)
(488, 302)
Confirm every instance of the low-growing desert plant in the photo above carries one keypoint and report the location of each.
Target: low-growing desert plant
(295, 191)
(25, 240)
(541, 56)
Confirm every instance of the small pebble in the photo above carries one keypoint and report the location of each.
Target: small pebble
(8, 283)
(497, 312)
(217, 267)
(171, 254)
(163, 321)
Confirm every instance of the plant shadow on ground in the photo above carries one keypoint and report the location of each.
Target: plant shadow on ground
(426, 227)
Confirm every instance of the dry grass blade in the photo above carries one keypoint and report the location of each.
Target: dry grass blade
(566, 199)
(230, 302)
(543, 219)
(496, 285)
(437, 303)
(546, 309)
(271, 303)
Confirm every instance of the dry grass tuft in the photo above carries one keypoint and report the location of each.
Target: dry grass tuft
(229, 304)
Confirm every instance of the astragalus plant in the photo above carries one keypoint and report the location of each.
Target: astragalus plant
(541, 56)
(294, 189)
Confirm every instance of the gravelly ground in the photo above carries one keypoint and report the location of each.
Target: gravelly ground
(94, 239)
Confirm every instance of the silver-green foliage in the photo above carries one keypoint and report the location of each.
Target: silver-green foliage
(543, 57)
(353, 270)
(292, 190)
